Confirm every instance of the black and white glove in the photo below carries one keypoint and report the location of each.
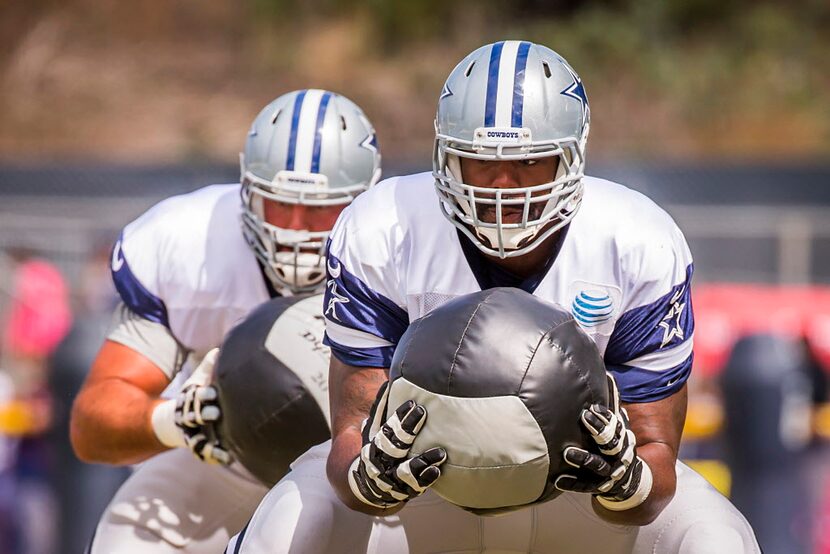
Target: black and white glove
(382, 476)
(618, 478)
(189, 420)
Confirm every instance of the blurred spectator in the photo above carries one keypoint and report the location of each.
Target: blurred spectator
(8, 448)
(38, 318)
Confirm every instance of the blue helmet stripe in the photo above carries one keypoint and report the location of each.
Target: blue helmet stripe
(318, 136)
(518, 84)
(295, 125)
(492, 85)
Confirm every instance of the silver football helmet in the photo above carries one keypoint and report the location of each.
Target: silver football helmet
(511, 100)
(309, 147)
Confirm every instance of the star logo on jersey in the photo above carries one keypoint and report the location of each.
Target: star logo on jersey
(334, 270)
(671, 321)
(117, 257)
(335, 298)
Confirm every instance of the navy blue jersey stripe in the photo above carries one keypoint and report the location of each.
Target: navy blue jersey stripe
(318, 135)
(348, 301)
(88, 549)
(361, 357)
(295, 125)
(642, 385)
(236, 549)
(519, 84)
(660, 325)
(492, 85)
(134, 295)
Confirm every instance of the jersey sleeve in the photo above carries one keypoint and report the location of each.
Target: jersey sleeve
(135, 268)
(650, 351)
(364, 310)
(149, 338)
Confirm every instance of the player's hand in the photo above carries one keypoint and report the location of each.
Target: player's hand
(619, 478)
(194, 414)
(382, 476)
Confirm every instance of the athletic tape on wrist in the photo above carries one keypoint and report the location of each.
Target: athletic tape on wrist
(163, 420)
(639, 496)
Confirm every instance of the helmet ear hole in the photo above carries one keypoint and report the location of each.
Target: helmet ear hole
(470, 68)
(343, 122)
(546, 67)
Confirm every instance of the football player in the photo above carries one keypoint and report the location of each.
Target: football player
(187, 271)
(515, 210)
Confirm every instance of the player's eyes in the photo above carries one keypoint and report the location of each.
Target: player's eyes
(530, 162)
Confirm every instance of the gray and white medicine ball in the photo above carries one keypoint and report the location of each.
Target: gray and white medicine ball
(503, 376)
(271, 378)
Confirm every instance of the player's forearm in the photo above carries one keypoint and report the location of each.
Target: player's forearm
(351, 393)
(111, 424)
(661, 460)
(344, 449)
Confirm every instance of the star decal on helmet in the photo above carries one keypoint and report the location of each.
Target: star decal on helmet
(445, 92)
(370, 143)
(576, 91)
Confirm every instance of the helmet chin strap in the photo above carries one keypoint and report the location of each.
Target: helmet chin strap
(300, 271)
(512, 238)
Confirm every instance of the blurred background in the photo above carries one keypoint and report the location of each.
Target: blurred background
(718, 109)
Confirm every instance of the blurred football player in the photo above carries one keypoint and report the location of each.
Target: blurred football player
(187, 271)
(515, 210)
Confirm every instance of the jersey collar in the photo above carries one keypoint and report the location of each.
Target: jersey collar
(489, 275)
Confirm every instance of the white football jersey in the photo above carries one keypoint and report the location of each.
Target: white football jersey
(623, 270)
(185, 264)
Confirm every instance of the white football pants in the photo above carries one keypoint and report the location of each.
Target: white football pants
(302, 514)
(176, 504)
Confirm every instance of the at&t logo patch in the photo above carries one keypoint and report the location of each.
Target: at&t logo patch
(592, 307)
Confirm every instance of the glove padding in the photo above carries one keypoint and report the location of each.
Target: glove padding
(617, 476)
(197, 412)
(190, 419)
(382, 476)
